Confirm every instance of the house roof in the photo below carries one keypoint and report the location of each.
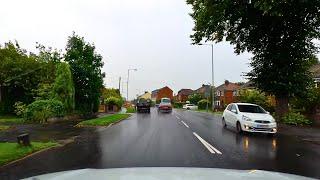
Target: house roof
(315, 70)
(185, 91)
(247, 85)
(229, 86)
(157, 90)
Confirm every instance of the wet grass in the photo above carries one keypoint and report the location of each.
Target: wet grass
(3, 127)
(103, 121)
(12, 151)
(11, 120)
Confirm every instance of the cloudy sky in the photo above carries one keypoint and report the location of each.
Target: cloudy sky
(150, 35)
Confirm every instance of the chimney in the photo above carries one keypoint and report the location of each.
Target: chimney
(226, 82)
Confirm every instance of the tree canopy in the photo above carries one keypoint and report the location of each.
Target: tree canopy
(85, 66)
(279, 33)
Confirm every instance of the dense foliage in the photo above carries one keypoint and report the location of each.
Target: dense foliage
(295, 118)
(202, 104)
(41, 110)
(24, 77)
(63, 89)
(194, 98)
(256, 97)
(114, 101)
(279, 33)
(309, 102)
(85, 66)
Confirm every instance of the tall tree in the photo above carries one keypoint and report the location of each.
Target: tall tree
(63, 89)
(85, 66)
(279, 33)
(20, 74)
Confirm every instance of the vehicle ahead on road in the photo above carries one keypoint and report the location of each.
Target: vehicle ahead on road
(249, 117)
(165, 105)
(190, 107)
(143, 105)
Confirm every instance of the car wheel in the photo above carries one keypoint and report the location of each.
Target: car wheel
(239, 130)
(224, 123)
(188, 108)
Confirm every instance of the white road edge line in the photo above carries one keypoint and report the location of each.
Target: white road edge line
(207, 145)
(185, 124)
(177, 117)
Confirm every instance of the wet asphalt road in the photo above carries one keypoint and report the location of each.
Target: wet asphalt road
(178, 139)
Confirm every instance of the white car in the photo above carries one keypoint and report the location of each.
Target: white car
(248, 117)
(190, 107)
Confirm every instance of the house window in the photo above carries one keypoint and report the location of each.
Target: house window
(221, 93)
(235, 93)
(218, 93)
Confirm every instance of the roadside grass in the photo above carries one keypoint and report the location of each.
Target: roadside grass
(12, 151)
(11, 120)
(218, 113)
(131, 110)
(3, 127)
(103, 121)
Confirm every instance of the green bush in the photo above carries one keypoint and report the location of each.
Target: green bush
(114, 101)
(131, 110)
(202, 104)
(41, 110)
(19, 108)
(178, 104)
(295, 118)
(194, 98)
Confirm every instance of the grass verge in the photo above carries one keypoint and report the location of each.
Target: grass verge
(219, 113)
(3, 128)
(12, 151)
(103, 121)
(11, 120)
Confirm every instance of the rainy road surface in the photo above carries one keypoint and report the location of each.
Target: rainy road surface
(177, 139)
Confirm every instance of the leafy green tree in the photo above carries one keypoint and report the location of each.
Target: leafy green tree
(63, 89)
(85, 65)
(20, 74)
(279, 33)
(194, 98)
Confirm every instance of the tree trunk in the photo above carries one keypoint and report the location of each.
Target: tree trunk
(282, 106)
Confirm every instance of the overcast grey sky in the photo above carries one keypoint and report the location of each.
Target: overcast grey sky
(150, 35)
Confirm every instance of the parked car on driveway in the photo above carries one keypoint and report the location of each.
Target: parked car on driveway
(190, 107)
(249, 117)
(165, 105)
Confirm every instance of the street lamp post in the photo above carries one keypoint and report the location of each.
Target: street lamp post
(128, 82)
(212, 73)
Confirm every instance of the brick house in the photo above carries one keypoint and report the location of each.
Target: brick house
(315, 70)
(226, 94)
(157, 94)
(204, 91)
(183, 94)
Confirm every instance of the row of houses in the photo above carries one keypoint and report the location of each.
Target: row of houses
(226, 93)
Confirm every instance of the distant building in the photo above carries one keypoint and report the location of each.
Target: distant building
(204, 90)
(226, 94)
(146, 95)
(157, 94)
(183, 95)
(315, 70)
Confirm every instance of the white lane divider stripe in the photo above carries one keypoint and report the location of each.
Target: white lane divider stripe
(185, 124)
(207, 145)
(177, 117)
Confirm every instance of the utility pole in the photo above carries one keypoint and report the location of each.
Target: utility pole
(119, 85)
(128, 82)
